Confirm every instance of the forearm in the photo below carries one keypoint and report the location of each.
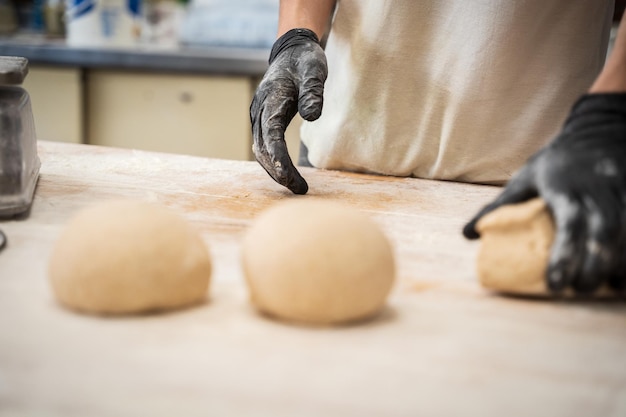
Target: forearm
(613, 75)
(309, 14)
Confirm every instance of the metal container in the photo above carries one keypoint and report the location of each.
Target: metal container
(19, 162)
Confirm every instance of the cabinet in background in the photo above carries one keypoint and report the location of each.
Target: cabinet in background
(188, 114)
(203, 115)
(57, 101)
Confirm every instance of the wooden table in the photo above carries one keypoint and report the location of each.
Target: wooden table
(443, 347)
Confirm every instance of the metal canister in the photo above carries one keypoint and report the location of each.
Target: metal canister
(19, 162)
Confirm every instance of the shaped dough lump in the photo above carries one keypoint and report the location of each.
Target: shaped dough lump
(515, 247)
(317, 262)
(516, 241)
(123, 257)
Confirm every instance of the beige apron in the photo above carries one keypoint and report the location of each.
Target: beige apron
(453, 89)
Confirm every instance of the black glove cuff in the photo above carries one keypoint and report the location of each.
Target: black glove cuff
(292, 38)
(605, 108)
(604, 102)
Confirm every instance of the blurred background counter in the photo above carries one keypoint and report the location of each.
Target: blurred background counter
(180, 79)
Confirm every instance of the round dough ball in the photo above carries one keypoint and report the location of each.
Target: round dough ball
(122, 257)
(317, 262)
(515, 247)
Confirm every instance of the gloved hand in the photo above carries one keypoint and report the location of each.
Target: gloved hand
(582, 177)
(294, 82)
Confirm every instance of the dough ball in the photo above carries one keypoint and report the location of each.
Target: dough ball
(317, 262)
(122, 257)
(515, 243)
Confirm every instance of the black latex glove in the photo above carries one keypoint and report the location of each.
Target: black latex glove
(582, 177)
(294, 82)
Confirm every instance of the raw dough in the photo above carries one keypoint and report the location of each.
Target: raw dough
(317, 262)
(121, 257)
(515, 247)
(516, 241)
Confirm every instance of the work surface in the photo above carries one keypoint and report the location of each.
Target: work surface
(443, 347)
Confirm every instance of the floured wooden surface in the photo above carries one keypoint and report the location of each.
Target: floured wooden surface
(443, 347)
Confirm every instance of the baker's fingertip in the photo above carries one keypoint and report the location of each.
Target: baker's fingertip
(299, 186)
(587, 284)
(310, 109)
(557, 280)
(469, 231)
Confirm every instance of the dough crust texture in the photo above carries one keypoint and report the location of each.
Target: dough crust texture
(515, 247)
(126, 257)
(317, 262)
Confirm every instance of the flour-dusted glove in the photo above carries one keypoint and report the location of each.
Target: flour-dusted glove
(294, 82)
(582, 177)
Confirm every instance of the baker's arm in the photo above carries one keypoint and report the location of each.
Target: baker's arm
(294, 82)
(313, 15)
(613, 75)
(581, 175)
